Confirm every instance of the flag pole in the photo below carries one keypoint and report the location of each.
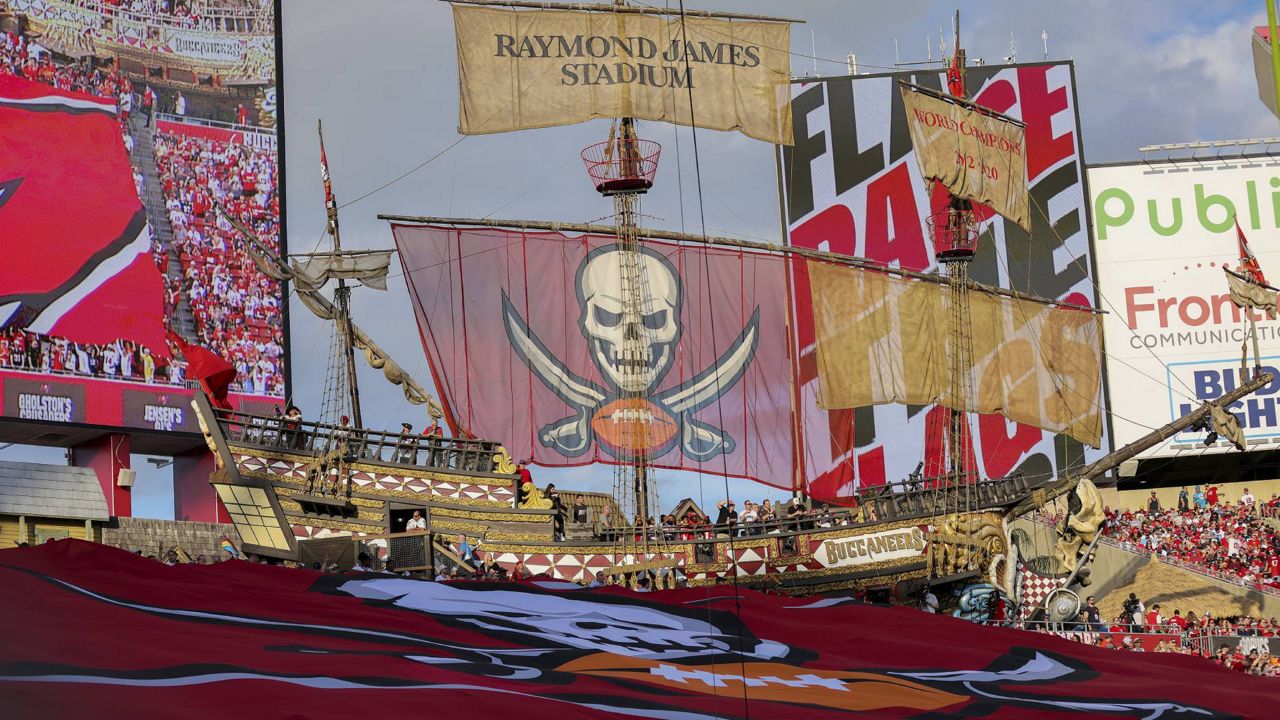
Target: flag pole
(1275, 50)
(343, 293)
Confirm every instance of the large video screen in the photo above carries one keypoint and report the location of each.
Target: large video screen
(124, 124)
(1164, 232)
(853, 186)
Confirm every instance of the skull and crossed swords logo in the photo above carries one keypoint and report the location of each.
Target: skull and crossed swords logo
(630, 304)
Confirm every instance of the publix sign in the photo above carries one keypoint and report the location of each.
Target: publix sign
(1163, 232)
(1167, 208)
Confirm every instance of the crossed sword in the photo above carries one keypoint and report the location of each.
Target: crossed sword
(572, 435)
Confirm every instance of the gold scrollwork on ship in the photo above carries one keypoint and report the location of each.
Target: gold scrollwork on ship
(334, 525)
(964, 543)
(287, 492)
(283, 482)
(521, 538)
(502, 462)
(533, 498)
(490, 516)
(516, 547)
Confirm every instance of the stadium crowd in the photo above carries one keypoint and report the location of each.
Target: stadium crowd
(236, 307)
(1235, 541)
(207, 15)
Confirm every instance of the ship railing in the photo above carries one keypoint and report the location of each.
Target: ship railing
(357, 444)
(918, 498)
(894, 501)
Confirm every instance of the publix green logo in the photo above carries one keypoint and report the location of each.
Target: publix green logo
(1169, 213)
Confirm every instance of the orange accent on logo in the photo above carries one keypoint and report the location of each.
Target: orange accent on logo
(775, 682)
(634, 424)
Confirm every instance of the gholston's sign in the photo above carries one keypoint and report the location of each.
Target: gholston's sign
(521, 69)
(44, 400)
(900, 544)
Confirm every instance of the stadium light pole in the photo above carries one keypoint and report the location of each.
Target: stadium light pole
(1275, 49)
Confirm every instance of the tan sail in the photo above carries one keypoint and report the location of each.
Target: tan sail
(883, 339)
(1248, 295)
(367, 268)
(974, 154)
(530, 69)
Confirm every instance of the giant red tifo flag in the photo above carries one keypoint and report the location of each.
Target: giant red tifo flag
(94, 631)
(527, 337)
(75, 256)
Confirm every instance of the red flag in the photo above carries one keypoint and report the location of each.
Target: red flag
(74, 242)
(89, 627)
(525, 334)
(214, 373)
(1248, 261)
(329, 201)
(955, 74)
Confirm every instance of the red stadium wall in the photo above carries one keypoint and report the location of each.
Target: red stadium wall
(107, 456)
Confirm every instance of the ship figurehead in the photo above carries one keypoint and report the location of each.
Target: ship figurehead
(630, 315)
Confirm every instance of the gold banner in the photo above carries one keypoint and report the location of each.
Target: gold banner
(531, 69)
(975, 155)
(884, 339)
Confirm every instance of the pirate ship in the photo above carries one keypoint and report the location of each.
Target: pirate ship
(638, 390)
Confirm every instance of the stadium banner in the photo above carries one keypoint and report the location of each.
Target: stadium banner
(523, 69)
(262, 641)
(1174, 338)
(853, 185)
(526, 334)
(231, 135)
(883, 338)
(91, 312)
(974, 155)
(109, 30)
(68, 399)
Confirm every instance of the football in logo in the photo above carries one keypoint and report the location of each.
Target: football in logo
(634, 424)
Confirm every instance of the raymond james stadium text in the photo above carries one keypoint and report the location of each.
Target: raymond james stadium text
(45, 407)
(626, 50)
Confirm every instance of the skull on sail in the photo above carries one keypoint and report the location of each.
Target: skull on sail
(630, 313)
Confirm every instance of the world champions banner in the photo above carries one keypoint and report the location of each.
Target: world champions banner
(527, 337)
(532, 69)
(853, 186)
(974, 155)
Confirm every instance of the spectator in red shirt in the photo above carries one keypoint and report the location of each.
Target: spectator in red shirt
(1154, 619)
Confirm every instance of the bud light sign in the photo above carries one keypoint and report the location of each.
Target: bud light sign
(1258, 413)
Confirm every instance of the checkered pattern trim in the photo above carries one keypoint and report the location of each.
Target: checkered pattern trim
(460, 489)
(1033, 589)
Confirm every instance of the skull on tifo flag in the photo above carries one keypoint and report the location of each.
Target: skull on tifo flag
(630, 303)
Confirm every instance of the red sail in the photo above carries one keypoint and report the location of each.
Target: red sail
(91, 631)
(74, 241)
(524, 333)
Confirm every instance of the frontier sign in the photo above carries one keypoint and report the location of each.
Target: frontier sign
(900, 544)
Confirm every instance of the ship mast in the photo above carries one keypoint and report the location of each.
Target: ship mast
(341, 296)
(955, 239)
